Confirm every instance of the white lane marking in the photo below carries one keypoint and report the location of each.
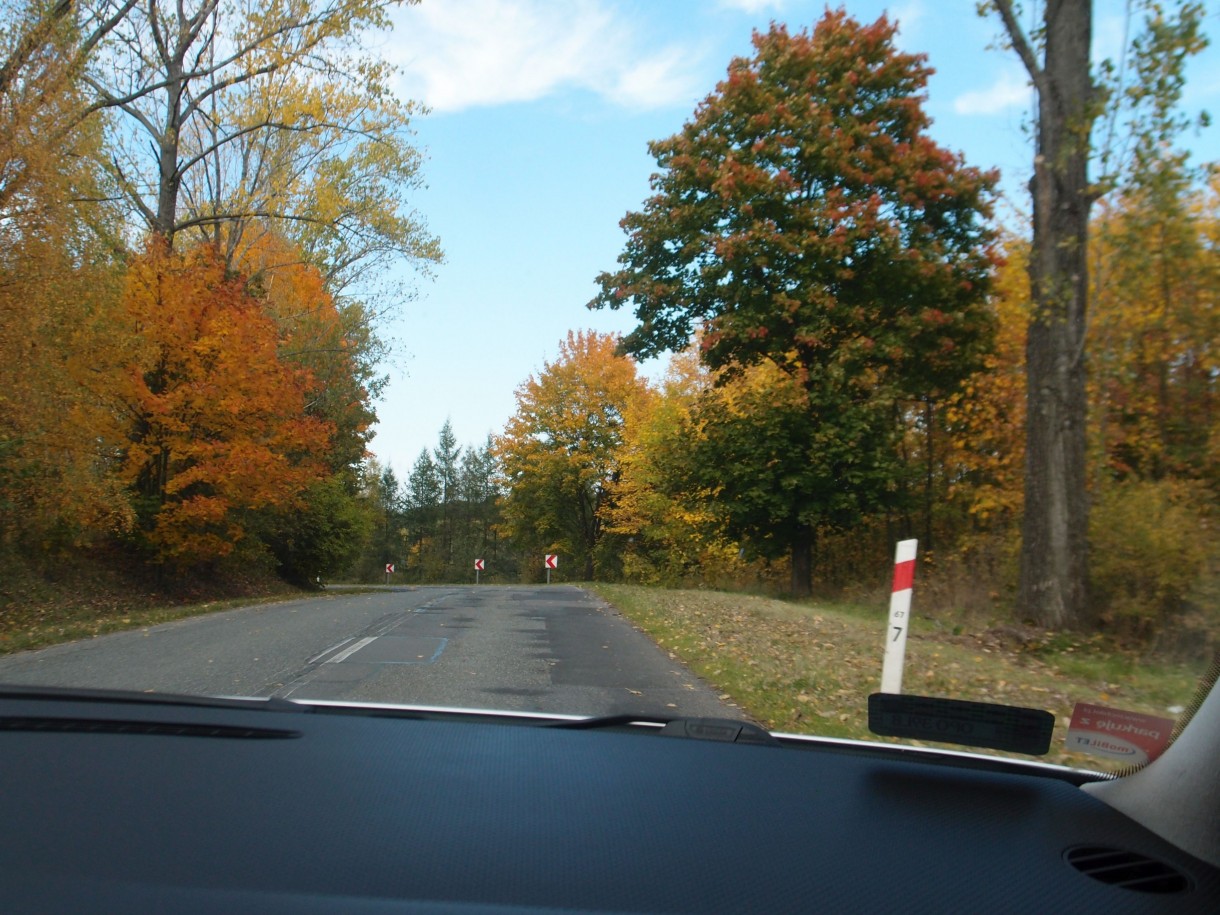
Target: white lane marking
(334, 647)
(348, 652)
(389, 626)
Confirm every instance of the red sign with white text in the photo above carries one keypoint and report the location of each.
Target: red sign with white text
(1116, 734)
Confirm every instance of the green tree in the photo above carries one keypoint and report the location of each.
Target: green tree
(423, 509)
(450, 510)
(479, 500)
(390, 516)
(383, 500)
(782, 465)
(324, 535)
(805, 217)
(446, 458)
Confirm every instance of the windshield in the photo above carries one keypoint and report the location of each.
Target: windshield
(734, 359)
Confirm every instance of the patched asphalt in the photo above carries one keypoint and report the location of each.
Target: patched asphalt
(553, 649)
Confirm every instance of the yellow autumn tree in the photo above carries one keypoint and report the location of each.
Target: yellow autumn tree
(1155, 394)
(985, 421)
(1210, 236)
(58, 288)
(560, 452)
(57, 481)
(1155, 333)
(668, 532)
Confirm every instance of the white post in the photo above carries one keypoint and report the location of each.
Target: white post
(900, 617)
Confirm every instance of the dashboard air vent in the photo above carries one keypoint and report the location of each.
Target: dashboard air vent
(1127, 869)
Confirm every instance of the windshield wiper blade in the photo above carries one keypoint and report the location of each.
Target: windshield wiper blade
(72, 694)
(723, 730)
(600, 722)
(127, 728)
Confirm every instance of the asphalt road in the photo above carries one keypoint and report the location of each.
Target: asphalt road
(552, 649)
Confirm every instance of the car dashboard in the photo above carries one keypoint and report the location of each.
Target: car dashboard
(114, 803)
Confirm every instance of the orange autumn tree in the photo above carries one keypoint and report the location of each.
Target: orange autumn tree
(332, 339)
(218, 422)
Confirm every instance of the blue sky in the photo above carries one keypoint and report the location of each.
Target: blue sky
(536, 145)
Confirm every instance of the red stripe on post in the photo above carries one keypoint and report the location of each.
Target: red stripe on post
(904, 575)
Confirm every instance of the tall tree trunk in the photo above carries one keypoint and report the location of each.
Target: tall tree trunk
(169, 176)
(1054, 547)
(167, 192)
(802, 562)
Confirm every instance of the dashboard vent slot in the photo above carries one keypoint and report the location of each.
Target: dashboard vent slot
(1127, 869)
(152, 728)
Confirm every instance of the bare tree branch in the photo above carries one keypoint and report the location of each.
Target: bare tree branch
(1021, 45)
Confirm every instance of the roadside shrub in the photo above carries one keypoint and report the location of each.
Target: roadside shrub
(972, 582)
(1150, 556)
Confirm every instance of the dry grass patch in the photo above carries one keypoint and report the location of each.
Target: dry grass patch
(809, 668)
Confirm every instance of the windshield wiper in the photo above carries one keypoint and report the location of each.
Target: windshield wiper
(70, 694)
(723, 730)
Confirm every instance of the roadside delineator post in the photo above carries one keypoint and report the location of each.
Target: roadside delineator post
(900, 616)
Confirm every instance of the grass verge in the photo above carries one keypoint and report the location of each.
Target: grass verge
(82, 599)
(809, 668)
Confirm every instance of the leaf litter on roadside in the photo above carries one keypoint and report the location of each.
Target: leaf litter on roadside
(803, 668)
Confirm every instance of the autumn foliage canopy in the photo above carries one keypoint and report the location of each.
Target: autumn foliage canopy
(804, 218)
(804, 210)
(218, 420)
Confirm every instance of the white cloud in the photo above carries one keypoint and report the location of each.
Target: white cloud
(458, 54)
(1008, 91)
(908, 16)
(752, 6)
